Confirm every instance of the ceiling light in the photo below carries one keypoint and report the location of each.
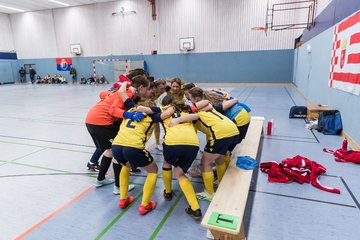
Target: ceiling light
(11, 8)
(58, 2)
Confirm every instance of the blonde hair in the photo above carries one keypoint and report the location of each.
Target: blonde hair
(178, 105)
(214, 99)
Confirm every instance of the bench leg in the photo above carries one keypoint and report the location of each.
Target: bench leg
(242, 231)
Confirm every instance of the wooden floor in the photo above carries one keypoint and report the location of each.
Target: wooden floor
(47, 193)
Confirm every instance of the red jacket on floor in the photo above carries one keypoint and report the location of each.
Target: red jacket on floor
(342, 155)
(299, 169)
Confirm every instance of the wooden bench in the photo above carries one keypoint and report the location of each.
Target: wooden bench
(231, 196)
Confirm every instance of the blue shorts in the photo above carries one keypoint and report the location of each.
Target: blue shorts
(221, 146)
(137, 157)
(180, 155)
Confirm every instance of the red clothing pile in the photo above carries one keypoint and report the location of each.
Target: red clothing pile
(299, 169)
(342, 155)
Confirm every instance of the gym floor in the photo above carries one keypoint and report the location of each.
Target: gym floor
(47, 193)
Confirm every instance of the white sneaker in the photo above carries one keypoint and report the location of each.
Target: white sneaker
(116, 190)
(204, 196)
(159, 147)
(101, 183)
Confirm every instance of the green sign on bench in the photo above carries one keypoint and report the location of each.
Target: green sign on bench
(223, 220)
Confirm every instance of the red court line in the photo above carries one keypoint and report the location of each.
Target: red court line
(54, 213)
(27, 232)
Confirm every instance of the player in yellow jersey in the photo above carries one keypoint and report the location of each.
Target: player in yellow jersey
(177, 89)
(220, 132)
(237, 112)
(181, 145)
(129, 150)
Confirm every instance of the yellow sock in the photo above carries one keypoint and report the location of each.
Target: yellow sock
(208, 178)
(157, 137)
(124, 182)
(220, 171)
(167, 177)
(227, 160)
(149, 187)
(189, 193)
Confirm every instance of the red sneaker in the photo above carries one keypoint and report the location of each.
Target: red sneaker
(123, 203)
(145, 209)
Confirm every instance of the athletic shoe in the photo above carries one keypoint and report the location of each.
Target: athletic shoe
(116, 190)
(101, 183)
(123, 203)
(194, 214)
(93, 166)
(204, 196)
(168, 196)
(159, 147)
(145, 209)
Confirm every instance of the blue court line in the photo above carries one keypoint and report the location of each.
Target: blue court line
(350, 192)
(288, 140)
(306, 199)
(40, 140)
(6, 162)
(39, 120)
(56, 148)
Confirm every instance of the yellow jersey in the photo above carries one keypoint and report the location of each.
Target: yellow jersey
(180, 134)
(215, 125)
(242, 118)
(133, 134)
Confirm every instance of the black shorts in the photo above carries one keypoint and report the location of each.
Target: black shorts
(137, 157)
(242, 130)
(220, 146)
(103, 135)
(180, 155)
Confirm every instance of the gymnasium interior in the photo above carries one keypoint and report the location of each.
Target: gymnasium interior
(292, 62)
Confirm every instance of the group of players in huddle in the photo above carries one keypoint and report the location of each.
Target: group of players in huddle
(125, 117)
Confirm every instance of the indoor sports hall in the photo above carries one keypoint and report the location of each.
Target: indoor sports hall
(284, 73)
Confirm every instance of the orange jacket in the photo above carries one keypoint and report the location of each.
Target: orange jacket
(108, 110)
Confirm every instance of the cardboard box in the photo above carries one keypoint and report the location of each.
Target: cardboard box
(313, 110)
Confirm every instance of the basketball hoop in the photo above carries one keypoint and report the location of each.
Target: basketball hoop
(186, 50)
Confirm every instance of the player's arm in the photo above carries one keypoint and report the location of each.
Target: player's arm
(148, 110)
(167, 113)
(226, 104)
(187, 118)
(123, 91)
(203, 105)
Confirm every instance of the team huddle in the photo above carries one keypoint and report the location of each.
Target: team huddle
(123, 120)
